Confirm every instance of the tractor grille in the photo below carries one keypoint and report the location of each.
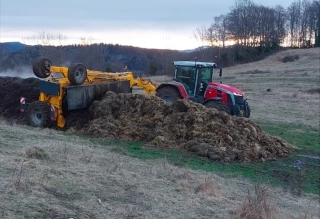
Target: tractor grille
(238, 99)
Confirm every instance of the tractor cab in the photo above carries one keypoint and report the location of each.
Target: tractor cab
(194, 76)
(195, 81)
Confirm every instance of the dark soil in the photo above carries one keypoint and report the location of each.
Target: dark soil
(314, 91)
(11, 89)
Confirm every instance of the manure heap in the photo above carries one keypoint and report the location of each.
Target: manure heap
(132, 117)
(11, 89)
(183, 124)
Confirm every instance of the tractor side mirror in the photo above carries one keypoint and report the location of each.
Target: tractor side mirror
(220, 74)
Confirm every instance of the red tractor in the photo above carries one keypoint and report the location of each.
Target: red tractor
(194, 81)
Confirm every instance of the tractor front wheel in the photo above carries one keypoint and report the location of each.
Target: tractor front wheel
(38, 114)
(77, 74)
(168, 94)
(248, 110)
(41, 67)
(218, 105)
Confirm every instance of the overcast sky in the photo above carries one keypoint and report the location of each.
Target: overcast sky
(144, 23)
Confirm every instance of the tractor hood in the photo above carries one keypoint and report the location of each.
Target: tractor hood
(228, 88)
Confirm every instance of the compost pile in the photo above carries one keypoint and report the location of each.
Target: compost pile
(12, 88)
(183, 124)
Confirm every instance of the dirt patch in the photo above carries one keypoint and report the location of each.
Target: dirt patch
(252, 72)
(184, 124)
(290, 58)
(314, 91)
(76, 119)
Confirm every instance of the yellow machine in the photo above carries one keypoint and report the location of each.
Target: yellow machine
(76, 88)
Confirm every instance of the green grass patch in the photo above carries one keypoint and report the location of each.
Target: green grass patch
(306, 138)
(295, 173)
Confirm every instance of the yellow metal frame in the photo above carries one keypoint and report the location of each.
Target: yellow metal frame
(93, 77)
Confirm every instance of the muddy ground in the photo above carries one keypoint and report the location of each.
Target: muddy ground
(11, 89)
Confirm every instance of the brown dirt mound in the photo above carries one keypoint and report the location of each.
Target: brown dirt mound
(11, 89)
(183, 124)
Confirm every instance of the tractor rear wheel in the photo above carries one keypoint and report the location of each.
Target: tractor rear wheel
(218, 105)
(38, 114)
(41, 67)
(77, 74)
(168, 94)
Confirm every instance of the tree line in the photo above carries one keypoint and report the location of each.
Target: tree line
(249, 24)
(99, 56)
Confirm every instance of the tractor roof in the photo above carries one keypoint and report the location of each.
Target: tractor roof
(194, 63)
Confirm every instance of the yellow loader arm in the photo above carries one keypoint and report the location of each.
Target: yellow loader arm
(148, 85)
(97, 76)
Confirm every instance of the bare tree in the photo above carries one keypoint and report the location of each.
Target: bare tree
(87, 40)
(201, 35)
(45, 39)
(294, 20)
(61, 38)
(220, 28)
(281, 18)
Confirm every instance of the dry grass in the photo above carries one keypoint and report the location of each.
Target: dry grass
(293, 87)
(36, 152)
(258, 205)
(80, 179)
(207, 187)
(277, 92)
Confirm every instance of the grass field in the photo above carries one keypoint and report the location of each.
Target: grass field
(49, 174)
(52, 174)
(297, 173)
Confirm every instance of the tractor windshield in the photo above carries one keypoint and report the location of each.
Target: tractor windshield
(186, 75)
(206, 75)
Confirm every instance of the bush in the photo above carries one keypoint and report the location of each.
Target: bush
(291, 58)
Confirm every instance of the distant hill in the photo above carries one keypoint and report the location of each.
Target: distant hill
(105, 57)
(11, 47)
(110, 57)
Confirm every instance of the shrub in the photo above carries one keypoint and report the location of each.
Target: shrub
(290, 58)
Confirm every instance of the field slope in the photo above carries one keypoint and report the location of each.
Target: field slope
(47, 174)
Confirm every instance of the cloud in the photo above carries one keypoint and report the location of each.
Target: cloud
(104, 19)
(105, 14)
